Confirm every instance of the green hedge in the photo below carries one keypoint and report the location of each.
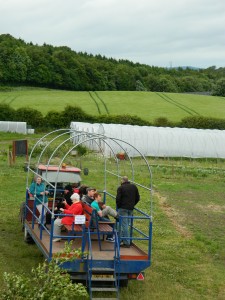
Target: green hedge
(56, 120)
(202, 123)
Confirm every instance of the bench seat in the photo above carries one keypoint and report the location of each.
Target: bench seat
(92, 225)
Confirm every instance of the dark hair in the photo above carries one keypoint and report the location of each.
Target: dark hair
(68, 187)
(90, 189)
(83, 190)
(75, 185)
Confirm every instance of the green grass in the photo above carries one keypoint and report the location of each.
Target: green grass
(188, 255)
(150, 105)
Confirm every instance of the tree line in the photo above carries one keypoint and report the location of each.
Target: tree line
(48, 66)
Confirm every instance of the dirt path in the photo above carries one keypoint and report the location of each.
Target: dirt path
(173, 215)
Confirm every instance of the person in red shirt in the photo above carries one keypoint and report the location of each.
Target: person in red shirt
(75, 209)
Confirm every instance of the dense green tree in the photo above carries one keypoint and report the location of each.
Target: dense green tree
(190, 84)
(219, 89)
(166, 84)
(63, 68)
(140, 86)
(152, 82)
(125, 80)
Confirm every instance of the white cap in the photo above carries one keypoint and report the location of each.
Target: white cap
(75, 196)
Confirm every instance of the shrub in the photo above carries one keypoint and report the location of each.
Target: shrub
(47, 281)
(162, 122)
(6, 112)
(54, 120)
(200, 122)
(53, 284)
(122, 119)
(32, 116)
(75, 113)
(81, 150)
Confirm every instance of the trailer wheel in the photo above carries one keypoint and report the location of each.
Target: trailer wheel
(27, 237)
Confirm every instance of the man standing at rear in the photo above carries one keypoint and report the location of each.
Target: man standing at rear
(127, 197)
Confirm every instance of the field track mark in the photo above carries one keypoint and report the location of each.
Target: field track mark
(4, 100)
(182, 105)
(167, 99)
(10, 102)
(172, 215)
(98, 108)
(103, 103)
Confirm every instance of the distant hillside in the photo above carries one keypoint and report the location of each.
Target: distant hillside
(47, 66)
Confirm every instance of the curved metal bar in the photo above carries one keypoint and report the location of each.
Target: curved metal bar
(97, 138)
(34, 147)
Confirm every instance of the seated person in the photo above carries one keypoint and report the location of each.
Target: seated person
(83, 191)
(75, 209)
(89, 198)
(61, 203)
(105, 211)
(68, 191)
(102, 214)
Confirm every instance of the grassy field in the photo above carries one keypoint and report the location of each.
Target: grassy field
(188, 258)
(150, 105)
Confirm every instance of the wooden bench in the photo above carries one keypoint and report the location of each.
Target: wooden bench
(92, 225)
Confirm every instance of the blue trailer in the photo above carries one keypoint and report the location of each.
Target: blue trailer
(102, 266)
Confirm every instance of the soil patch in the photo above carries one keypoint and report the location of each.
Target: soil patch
(173, 215)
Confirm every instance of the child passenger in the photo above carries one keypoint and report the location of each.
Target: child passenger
(105, 211)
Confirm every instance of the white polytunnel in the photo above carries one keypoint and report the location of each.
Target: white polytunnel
(12, 126)
(155, 141)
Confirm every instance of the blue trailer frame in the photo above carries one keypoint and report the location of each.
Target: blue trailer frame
(98, 265)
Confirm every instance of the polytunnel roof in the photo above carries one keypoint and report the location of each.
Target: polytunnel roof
(162, 141)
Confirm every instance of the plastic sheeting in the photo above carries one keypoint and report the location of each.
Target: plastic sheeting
(9, 126)
(156, 141)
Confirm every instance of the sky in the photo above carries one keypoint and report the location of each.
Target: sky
(163, 33)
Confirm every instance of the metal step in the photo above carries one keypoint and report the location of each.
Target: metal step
(100, 289)
(102, 270)
(103, 279)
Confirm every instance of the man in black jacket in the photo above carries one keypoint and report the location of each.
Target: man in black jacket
(89, 197)
(127, 197)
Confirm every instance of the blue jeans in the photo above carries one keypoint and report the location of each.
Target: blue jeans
(125, 233)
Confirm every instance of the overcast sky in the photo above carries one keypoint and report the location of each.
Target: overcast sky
(155, 32)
